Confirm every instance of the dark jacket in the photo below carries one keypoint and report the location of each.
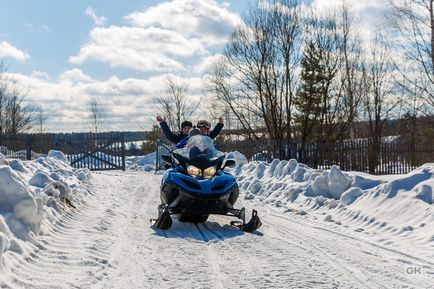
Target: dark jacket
(172, 137)
(212, 134)
(216, 131)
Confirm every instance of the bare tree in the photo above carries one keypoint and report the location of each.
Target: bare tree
(3, 98)
(353, 75)
(413, 20)
(380, 100)
(41, 118)
(173, 101)
(97, 115)
(19, 113)
(256, 79)
(16, 114)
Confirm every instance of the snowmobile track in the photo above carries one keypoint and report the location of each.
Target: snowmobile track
(353, 270)
(353, 238)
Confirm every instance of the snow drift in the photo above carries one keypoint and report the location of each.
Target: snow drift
(144, 163)
(32, 192)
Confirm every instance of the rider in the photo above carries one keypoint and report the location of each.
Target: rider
(204, 127)
(175, 137)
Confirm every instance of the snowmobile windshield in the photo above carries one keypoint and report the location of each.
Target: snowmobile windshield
(199, 146)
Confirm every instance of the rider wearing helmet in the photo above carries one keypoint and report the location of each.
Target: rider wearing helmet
(178, 136)
(204, 127)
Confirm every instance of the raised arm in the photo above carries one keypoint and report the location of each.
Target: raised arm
(166, 130)
(217, 129)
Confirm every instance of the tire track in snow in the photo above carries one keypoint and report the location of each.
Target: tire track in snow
(353, 238)
(376, 250)
(351, 257)
(350, 274)
(263, 262)
(213, 259)
(154, 259)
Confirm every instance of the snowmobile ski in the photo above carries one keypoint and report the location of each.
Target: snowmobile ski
(164, 220)
(251, 226)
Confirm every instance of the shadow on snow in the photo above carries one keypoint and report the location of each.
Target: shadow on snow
(209, 231)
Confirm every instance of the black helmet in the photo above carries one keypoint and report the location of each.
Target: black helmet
(186, 123)
(193, 132)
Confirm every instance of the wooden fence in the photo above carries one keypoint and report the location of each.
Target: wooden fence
(391, 157)
(101, 151)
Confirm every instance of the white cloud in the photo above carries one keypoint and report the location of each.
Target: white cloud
(207, 20)
(368, 14)
(41, 75)
(127, 101)
(162, 38)
(355, 5)
(7, 50)
(75, 76)
(36, 28)
(99, 21)
(206, 63)
(142, 49)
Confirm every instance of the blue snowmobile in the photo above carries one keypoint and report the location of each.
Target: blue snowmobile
(196, 186)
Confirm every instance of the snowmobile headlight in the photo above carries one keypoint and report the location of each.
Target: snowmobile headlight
(209, 172)
(194, 172)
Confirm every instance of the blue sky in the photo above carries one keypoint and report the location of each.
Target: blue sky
(65, 52)
(51, 31)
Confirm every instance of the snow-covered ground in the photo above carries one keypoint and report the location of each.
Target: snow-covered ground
(67, 228)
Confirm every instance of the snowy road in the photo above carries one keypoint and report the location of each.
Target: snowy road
(107, 243)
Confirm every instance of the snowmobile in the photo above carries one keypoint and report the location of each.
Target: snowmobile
(196, 186)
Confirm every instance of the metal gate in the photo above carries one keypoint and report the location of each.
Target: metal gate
(101, 151)
(162, 149)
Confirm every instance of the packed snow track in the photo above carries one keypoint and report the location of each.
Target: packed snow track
(107, 242)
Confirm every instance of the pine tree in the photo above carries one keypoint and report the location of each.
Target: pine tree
(309, 98)
(152, 137)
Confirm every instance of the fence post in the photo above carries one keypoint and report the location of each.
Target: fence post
(29, 147)
(123, 151)
(157, 156)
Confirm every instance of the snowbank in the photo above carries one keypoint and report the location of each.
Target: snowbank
(398, 205)
(141, 163)
(32, 192)
(239, 158)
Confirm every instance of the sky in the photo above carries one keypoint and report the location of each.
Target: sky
(63, 53)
